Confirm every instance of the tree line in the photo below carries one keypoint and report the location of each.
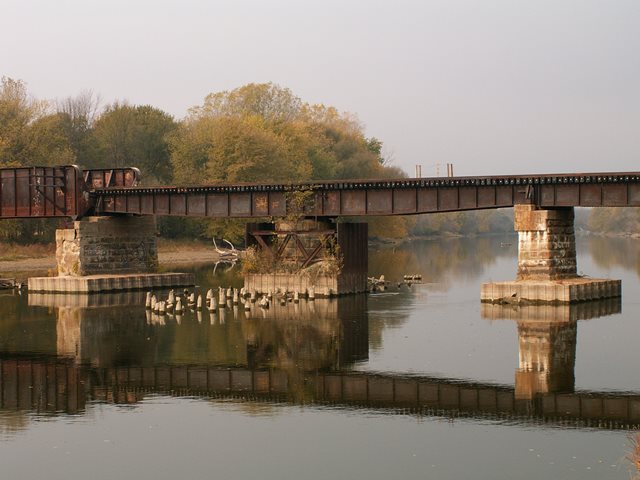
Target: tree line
(254, 133)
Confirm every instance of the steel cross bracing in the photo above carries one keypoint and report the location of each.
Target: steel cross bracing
(68, 191)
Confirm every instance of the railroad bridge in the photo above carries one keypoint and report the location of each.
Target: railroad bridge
(113, 213)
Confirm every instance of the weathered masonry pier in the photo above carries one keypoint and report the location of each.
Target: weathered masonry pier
(321, 257)
(100, 254)
(97, 253)
(547, 268)
(544, 215)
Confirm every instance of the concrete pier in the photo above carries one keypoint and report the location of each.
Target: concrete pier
(107, 245)
(110, 283)
(546, 243)
(547, 268)
(107, 254)
(328, 259)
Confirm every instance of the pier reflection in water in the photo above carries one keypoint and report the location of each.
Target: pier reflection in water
(547, 342)
(108, 349)
(412, 383)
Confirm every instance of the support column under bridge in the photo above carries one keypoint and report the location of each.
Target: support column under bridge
(99, 254)
(314, 257)
(547, 267)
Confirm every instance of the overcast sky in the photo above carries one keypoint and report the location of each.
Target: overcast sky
(491, 86)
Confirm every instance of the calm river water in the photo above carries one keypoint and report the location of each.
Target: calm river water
(417, 382)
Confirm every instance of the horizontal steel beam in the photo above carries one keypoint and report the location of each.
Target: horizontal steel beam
(68, 191)
(375, 197)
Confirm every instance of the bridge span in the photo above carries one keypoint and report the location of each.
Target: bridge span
(69, 191)
(543, 205)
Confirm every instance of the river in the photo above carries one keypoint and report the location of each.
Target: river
(415, 382)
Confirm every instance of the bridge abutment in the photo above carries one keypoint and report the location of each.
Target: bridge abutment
(105, 254)
(107, 245)
(547, 267)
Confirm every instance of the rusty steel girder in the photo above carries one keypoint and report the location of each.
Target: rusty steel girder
(56, 192)
(376, 197)
(68, 191)
(41, 192)
(96, 178)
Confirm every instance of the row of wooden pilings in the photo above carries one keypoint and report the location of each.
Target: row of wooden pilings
(177, 304)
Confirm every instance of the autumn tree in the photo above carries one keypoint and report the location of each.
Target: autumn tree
(78, 115)
(264, 133)
(17, 112)
(135, 136)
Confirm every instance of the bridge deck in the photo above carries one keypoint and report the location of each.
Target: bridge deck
(68, 191)
(375, 197)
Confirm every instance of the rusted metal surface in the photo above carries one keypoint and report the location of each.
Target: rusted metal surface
(377, 197)
(67, 191)
(290, 244)
(96, 178)
(41, 192)
(53, 192)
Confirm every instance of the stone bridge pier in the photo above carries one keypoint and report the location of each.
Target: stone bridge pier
(313, 257)
(547, 267)
(108, 253)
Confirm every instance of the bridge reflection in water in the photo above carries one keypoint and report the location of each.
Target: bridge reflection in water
(296, 355)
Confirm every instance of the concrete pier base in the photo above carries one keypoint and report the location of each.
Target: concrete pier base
(110, 283)
(108, 254)
(561, 313)
(569, 290)
(547, 263)
(324, 286)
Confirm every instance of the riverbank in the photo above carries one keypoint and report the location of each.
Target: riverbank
(20, 262)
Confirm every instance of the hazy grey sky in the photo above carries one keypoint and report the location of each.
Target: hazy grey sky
(491, 86)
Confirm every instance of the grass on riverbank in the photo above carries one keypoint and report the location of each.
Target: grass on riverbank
(12, 251)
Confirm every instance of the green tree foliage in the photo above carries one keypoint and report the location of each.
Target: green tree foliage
(262, 133)
(135, 136)
(48, 142)
(17, 113)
